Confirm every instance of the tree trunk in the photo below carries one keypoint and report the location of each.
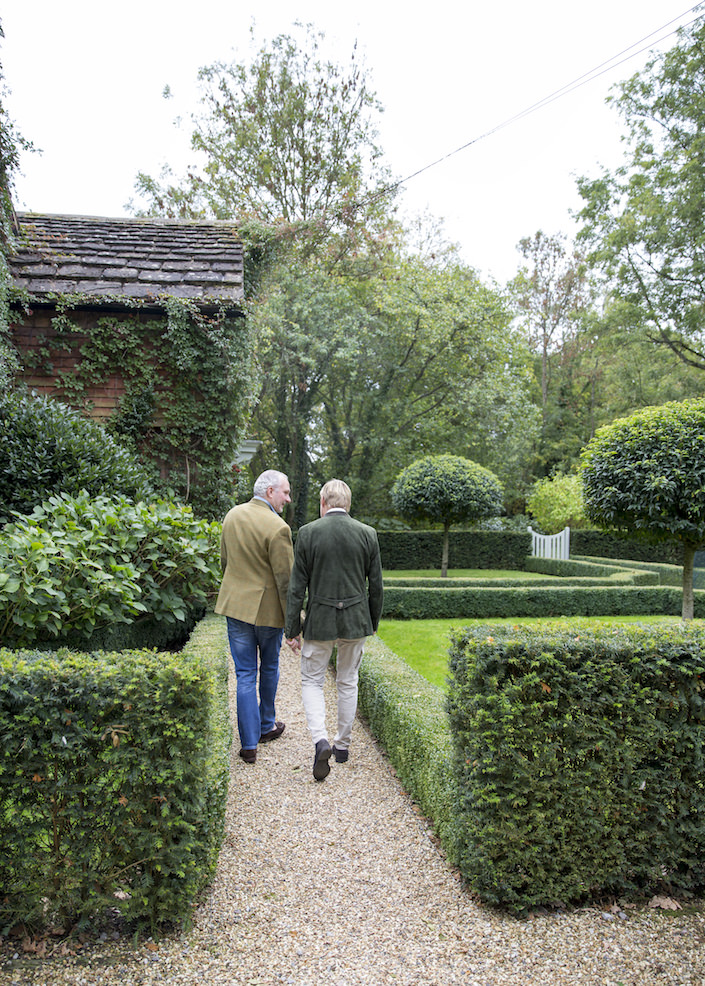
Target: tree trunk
(688, 558)
(444, 560)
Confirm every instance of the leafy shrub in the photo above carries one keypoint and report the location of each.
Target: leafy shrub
(47, 448)
(77, 564)
(113, 781)
(579, 761)
(557, 502)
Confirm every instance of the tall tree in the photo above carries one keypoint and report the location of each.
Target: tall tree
(645, 222)
(436, 368)
(287, 139)
(550, 294)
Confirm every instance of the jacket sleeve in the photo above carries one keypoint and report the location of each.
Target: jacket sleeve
(281, 558)
(298, 585)
(375, 586)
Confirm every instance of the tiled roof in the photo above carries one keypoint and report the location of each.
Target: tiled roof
(140, 259)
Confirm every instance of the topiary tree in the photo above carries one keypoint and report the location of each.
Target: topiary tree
(446, 489)
(645, 475)
(48, 448)
(557, 502)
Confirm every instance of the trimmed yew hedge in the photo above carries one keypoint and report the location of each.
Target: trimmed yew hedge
(579, 762)
(480, 602)
(113, 781)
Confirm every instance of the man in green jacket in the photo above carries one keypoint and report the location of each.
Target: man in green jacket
(337, 562)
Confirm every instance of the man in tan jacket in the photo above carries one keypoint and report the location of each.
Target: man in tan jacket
(256, 555)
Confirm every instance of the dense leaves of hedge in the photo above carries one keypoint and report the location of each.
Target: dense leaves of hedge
(607, 544)
(644, 473)
(467, 549)
(483, 603)
(79, 564)
(47, 448)
(407, 715)
(446, 489)
(113, 781)
(579, 762)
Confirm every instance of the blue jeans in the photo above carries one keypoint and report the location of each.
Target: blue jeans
(254, 716)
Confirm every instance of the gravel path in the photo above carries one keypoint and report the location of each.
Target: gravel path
(339, 883)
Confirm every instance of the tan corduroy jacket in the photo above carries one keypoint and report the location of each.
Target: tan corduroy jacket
(256, 555)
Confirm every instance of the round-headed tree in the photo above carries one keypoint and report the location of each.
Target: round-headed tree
(446, 489)
(645, 475)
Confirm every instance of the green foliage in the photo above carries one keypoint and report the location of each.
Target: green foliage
(485, 602)
(645, 221)
(446, 489)
(113, 782)
(289, 139)
(407, 715)
(46, 448)
(81, 564)
(612, 544)
(467, 549)
(578, 762)
(644, 474)
(188, 387)
(557, 502)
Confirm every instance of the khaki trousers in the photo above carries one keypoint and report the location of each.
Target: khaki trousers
(315, 655)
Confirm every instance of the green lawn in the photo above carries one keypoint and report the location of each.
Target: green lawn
(424, 643)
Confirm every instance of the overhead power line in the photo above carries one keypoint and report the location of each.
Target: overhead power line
(623, 56)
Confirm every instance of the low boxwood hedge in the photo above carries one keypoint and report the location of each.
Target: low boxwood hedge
(408, 716)
(113, 781)
(572, 600)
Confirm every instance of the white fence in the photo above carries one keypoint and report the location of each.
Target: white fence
(550, 545)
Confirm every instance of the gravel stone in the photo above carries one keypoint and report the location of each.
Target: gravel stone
(341, 883)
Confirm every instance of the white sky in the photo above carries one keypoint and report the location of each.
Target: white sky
(86, 81)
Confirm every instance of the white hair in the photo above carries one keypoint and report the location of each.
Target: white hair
(271, 477)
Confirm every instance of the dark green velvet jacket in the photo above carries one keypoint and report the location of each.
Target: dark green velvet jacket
(338, 572)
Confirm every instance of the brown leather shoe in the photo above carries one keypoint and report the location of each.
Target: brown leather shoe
(275, 733)
(249, 756)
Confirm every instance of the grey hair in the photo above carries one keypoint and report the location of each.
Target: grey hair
(336, 493)
(270, 477)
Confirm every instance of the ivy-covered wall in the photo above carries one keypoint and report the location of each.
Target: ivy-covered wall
(174, 384)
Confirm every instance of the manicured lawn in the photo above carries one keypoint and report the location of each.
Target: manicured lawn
(424, 643)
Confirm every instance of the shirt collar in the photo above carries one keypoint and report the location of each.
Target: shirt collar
(262, 500)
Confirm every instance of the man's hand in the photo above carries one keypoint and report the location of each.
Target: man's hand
(294, 643)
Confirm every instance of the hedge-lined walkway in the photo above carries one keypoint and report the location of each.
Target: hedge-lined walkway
(339, 883)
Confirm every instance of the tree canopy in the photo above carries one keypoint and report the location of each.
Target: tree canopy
(645, 222)
(446, 489)
(645, 475)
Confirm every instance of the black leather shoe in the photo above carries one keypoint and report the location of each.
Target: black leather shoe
(249, 756)
(321, 767)
(341, 756)
(279, 728)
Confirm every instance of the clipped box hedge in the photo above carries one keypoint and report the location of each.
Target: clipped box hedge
(408, 716)
(579, 761)
(113, 780)
(562, 600)
(467, 549)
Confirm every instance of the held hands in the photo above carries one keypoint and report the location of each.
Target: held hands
(294, 643)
